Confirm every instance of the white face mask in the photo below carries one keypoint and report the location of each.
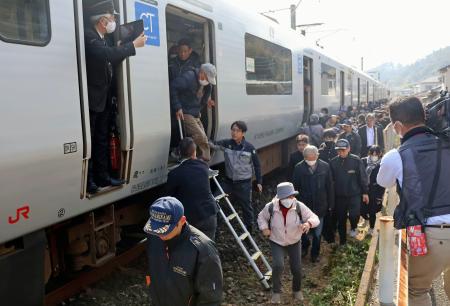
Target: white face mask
(203, 82)
(374, 158)
(311, 163)
(110, 27)
(287, 202)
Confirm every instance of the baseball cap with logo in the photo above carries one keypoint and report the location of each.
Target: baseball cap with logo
(165, 213)
(342, 144)
(346, 122)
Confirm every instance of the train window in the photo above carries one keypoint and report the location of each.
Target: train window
(25, 22)
(328, 80)
(268, 67)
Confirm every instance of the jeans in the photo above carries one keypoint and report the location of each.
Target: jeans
(295, 258)
(241, 194)
(208, 226)
(347, 206)
(316, 234)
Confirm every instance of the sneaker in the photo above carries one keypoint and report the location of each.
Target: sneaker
(353, 233)
(370, 231)
(298, 295)
(276, 298)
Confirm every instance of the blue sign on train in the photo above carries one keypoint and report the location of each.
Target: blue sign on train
(149, 14)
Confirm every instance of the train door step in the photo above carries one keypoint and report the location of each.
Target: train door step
(102, 191)
(245, 236)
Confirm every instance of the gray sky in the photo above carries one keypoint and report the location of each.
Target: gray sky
(399, 31)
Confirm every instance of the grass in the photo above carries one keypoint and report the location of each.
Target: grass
(343, 272)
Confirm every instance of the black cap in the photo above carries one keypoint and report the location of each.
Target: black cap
(342, 144)
(100, 7)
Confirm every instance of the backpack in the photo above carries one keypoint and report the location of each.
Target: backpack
(299, 212)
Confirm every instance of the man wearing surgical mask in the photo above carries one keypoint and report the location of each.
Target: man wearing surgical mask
(312, 177)
(189, 94)
(100, 58)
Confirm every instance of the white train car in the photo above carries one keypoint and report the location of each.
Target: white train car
(46, 214)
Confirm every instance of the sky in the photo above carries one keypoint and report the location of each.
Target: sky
(380, 31)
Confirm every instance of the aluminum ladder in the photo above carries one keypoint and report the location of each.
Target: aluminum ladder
(263, 278)
(252, 258)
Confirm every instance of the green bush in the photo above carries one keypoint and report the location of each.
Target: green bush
(344, 270)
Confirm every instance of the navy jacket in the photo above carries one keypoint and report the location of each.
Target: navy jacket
(185, 270)
(240, 160)
(99, 60)
(189, 183)
(294, 159)
(349, 176)
(177, 67)
(183, 93)
(315, 189)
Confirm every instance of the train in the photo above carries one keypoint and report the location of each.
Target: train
(46, 215)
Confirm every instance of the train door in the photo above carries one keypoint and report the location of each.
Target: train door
(342, 78)
(119, 140)
(308, 88)
(349, 92)
(199, 32)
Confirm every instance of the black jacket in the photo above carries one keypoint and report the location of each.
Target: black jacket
(379, 140)
(183, 93)
(355, 142)
(294, 159)
(349, 176)
(99, 60)
(185, 270)
(315, 189)
(327, 151)
(189, 183)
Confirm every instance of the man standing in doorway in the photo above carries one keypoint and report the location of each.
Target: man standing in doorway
(186, 59)
(189, 93)
(100, 58)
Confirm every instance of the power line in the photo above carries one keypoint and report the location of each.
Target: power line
(282, 9)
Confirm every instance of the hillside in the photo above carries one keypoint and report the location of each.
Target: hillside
(400, 76)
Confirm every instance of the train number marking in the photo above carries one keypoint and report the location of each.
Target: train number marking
(20, 212)
(70, 147)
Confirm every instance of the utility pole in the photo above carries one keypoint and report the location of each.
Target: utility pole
(293, 17)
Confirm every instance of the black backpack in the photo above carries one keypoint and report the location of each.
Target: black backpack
(299, 212)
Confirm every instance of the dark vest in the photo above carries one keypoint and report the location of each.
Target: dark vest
(420, 161)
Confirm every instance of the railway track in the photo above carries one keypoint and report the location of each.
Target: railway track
(87, 278)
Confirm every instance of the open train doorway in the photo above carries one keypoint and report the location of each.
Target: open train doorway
(342, 78)
(105, 109)
(190, 43)
(308, 103)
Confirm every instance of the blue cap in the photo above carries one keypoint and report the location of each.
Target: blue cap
(346, 122)
(342, 144)
(164, 216)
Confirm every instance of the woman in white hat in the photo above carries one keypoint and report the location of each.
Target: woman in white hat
(284, 220)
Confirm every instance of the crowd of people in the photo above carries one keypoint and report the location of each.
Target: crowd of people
(337, 174)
